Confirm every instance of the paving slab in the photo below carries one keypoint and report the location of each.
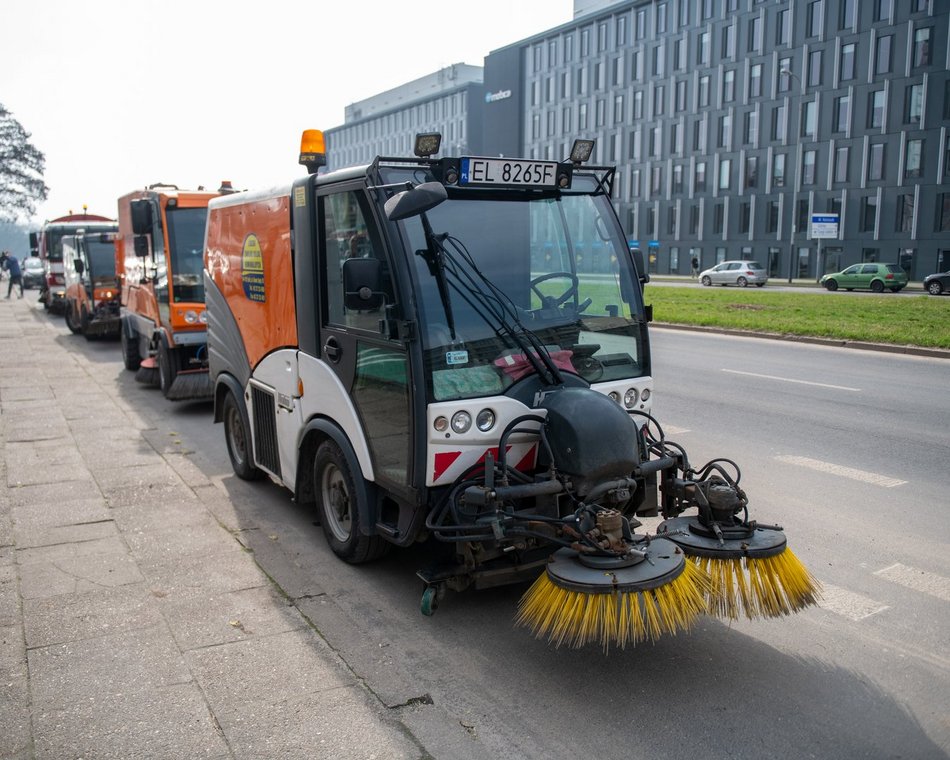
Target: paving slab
(78, 574)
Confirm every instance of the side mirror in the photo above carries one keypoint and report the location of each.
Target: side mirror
(640, 264)
(361, 284)
(141, 211)
(415, 201)
(140, 243)
(80, 266)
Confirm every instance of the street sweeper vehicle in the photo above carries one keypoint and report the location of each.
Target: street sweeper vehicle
(47, 244)
(455, 351)
(158, 255)
(91, 301)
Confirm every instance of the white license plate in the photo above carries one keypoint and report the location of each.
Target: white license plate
(504, 171)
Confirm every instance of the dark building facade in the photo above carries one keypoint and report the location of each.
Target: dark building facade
(733, 120)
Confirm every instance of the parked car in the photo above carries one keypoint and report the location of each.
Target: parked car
(938, 283)
(741, 273)
(873, 276)
(33, 274)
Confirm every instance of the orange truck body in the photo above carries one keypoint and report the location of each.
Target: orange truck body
(158, 254)
(92, 293)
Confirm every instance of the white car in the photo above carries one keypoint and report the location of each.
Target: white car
(741, 273)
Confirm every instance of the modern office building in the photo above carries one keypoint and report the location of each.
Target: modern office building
(734, 122)
(451, 101)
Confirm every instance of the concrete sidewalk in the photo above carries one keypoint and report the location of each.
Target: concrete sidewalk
(132, 623)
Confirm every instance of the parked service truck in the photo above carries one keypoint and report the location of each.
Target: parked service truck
(91, 301)
(158, 255)
(47, 244)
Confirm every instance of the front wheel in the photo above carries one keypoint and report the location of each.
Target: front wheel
(935, 288)
(706, 281)
(238, 439)
(337, 501)
(742, 282)
(74, 327)
(831, 285)
(130, 349)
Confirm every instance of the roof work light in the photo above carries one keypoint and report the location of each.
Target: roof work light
(313, 152)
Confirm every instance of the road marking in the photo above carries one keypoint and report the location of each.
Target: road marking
(917, 580)
(846, 472)
(847, 603)
(792, 380)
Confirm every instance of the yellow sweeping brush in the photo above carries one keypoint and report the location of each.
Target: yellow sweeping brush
(751, 570)
(581, 599)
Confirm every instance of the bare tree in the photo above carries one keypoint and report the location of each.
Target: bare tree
(21, 170)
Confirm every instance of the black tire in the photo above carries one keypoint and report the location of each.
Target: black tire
(130, 349)
(74, 327)
(877, 286)
(167, 367)
(760, 284)
(335, 490)
(934, 288)
(898, 289)
(742, 282)
(237, 436)
(706, 281)
(831, 285)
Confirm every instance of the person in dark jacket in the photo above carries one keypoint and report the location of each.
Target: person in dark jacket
(12, 265)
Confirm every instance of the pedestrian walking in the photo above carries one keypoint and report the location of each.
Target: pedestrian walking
(12, 265)
(694, 264)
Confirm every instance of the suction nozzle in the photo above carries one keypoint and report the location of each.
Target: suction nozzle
(614, 600)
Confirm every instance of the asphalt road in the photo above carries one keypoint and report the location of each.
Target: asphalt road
(847, 449)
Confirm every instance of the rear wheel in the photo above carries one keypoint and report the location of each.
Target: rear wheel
(75, 327)
(706, 281)
(759, 284)
(742, 282)
(337, 500)
(832, 285)
(898, 289)
(238, 439)
(877, 286)
(935, 288)
(130, 349)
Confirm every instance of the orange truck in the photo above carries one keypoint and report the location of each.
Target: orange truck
(47, 244)
(91, 301)
(158, 257)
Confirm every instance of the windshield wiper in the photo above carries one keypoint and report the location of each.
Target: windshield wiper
(434, 254)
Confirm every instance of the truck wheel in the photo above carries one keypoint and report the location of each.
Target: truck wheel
(335, 489)
(238, 439)
(130, 349)
(167, 368)
(74, 327)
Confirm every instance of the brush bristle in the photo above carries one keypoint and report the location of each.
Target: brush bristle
(615, 618)
(767, 587)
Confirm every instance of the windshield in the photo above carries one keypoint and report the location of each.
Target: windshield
(559, 263)
(186, 237)
(101, 257)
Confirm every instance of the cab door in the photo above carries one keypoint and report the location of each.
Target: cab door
(354, 336)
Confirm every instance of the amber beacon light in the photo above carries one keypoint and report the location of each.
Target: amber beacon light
(313, 152)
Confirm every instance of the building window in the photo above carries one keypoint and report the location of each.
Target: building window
(814, 18)
(621, 32)
(752, 172)
(771, 216)
(841, 165)
(651, 221)
(905, 213)
(661, 18)
(755, 34)
(693, 220)
(552, 123)
(618, 70)
(638, 104)
(801, 222)
(601, 38)
(745, 215)
(676, 137)
(536, 126)
(641, 28)
(946, 157)
(913, 103)
(846, 20)
(808, 167)
(719, 213)
(659, 96)
(678, 178)
(943, 212)
(814, 68)
(600, 113)
(729, 85)
(725, 131)
(702, 49)
(659, 59)
(778, 170)
(656, 180)
(581, 116)
(699, 177)
(569, 48)
(882, 10)
(681, 96)
(679, 54)
(671, 220)
(922, 55)
(810, 120)
(728, 41)
(782, 27)
(656, 142)
(707, 9)
(635, 183)
(876, 162)
(868, 213)
(778, 123)
(847, 61)
(882, 57)
(585, 43)
(915, 150)
(751, 128)
(704, 91)
(755, 80)
(876, 109)
(618, 109)
(725, 173)
(842, 114)
(784, 82)
(537, 59)
(636, 65)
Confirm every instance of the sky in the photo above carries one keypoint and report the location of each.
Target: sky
(119, 94)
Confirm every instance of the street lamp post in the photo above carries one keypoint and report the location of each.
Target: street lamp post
(798, 160)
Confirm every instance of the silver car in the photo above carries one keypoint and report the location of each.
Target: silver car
(741, 273)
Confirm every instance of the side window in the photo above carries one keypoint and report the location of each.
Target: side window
(869, 269)
(852, 269)
(347, 235)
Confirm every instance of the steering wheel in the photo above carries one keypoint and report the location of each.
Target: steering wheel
(554, 302)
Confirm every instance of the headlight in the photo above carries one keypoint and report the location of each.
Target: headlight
(485, 420)
(203, 317)
(461, 422)
(191, 317)
(645, 395)
(440, 424)
(615, 396)
(630, 398)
